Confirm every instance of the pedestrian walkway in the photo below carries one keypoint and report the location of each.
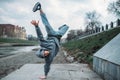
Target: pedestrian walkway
(57, 72)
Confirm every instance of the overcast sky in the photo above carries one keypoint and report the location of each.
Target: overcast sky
(59, 12)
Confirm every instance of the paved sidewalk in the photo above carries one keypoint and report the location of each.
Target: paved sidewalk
(57, 72)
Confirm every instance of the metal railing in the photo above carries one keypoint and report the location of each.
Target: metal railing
(107, 27)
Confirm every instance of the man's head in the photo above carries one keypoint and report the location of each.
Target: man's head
(46, 53)
(42, 53)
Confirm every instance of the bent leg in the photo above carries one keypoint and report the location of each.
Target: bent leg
(62, 30)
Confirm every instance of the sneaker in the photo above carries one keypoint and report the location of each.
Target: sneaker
(36, 7)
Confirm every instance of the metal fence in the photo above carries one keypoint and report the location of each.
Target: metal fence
(97, 30)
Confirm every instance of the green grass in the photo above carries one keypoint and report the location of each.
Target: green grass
(18, 41)
(84, 49)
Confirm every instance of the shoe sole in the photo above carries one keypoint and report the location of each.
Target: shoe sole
(36, 5)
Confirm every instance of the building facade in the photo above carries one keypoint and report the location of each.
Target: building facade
(12, 31)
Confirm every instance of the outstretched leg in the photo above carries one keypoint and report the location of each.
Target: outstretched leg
(45, 21)
(48, 27)
(62, 30)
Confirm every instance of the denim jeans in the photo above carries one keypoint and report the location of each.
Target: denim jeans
(51, 43)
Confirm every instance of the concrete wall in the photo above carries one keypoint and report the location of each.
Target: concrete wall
(106, 69)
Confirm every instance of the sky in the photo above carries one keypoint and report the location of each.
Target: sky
(58, 12)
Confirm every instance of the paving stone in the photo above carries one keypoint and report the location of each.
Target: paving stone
(57, 72)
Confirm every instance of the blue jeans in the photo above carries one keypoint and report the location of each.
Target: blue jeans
(62, 30)
(51, 43)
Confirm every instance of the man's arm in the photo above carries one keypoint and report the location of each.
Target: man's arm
(38, 31)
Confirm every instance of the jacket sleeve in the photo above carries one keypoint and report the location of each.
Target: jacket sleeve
(39, 33)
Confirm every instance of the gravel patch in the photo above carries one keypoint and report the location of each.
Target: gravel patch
(13, 62)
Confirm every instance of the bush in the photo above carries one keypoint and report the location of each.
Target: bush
(89, 45)
(20, 41)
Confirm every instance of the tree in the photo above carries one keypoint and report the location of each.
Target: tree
(71, 35)
(92, 20)
(79, 32)
(32, 38)
(114, 7)
(74, 34)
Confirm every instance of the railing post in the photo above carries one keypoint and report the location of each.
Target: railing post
(106, 26)
(102, 28)
(118, 22)
(99, 29)
(96, 29)
(111, 24)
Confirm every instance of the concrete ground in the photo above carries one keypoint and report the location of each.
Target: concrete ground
(57, 72)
